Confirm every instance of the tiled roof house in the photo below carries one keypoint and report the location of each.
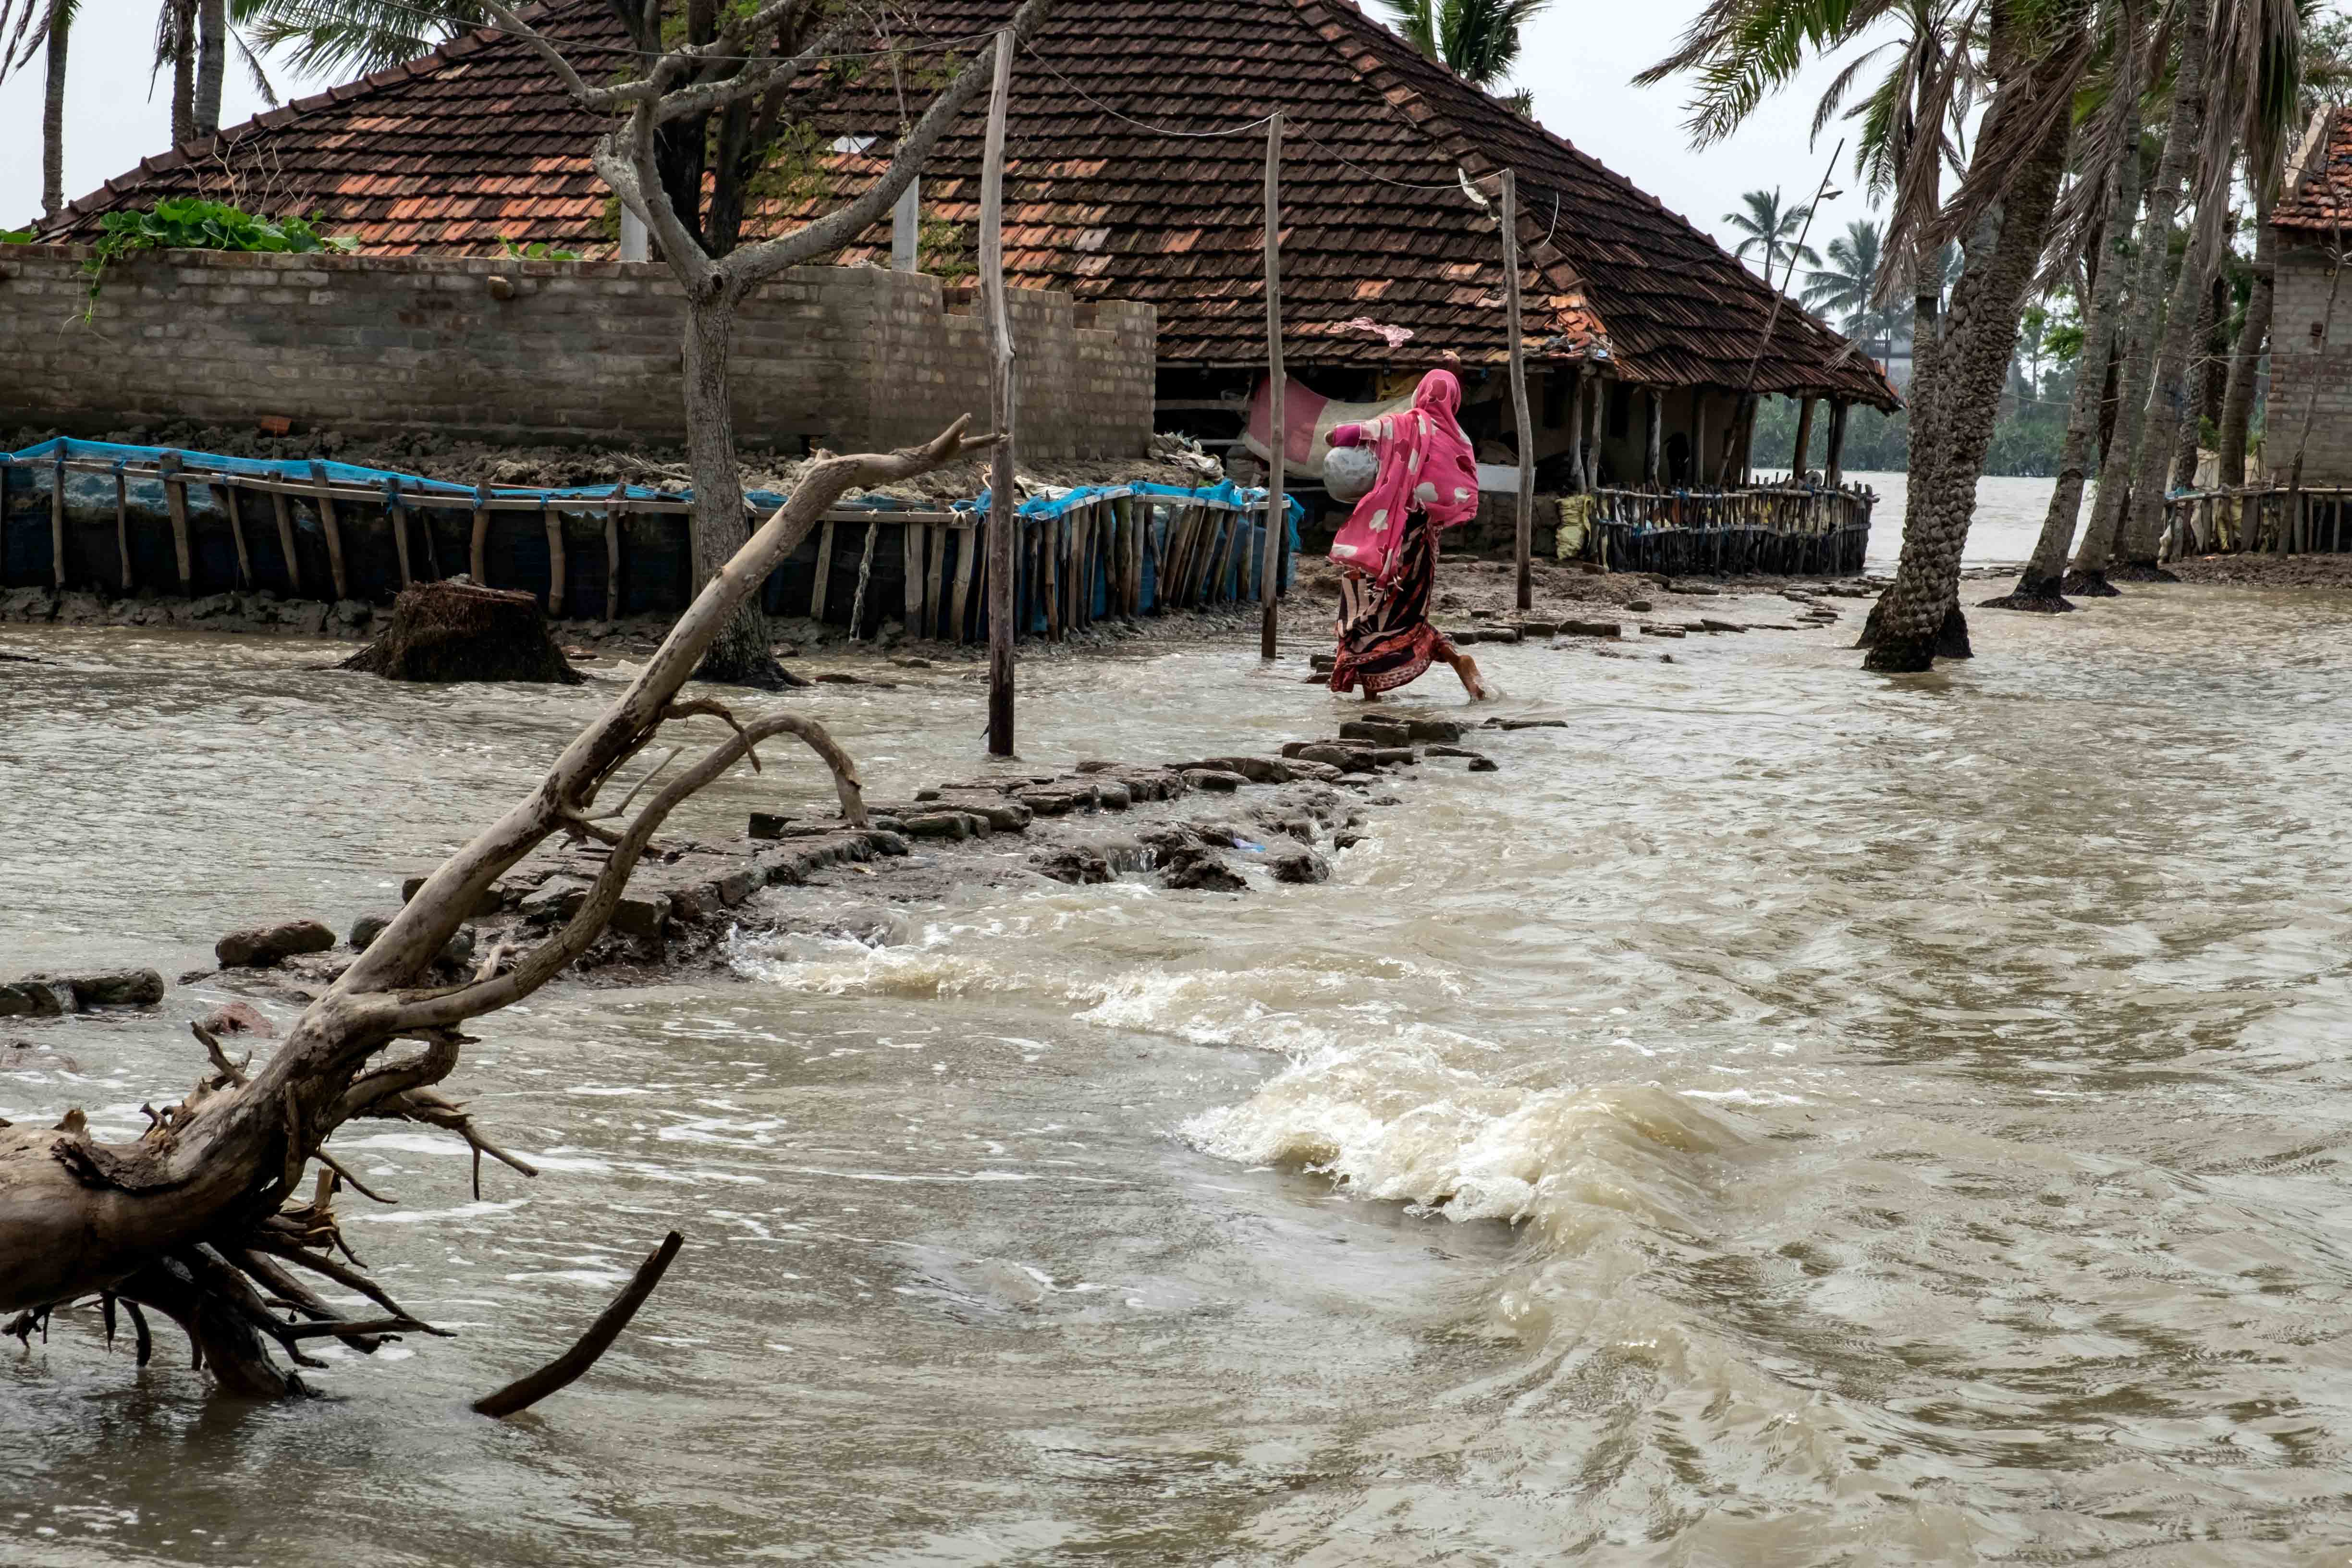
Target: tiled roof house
(1118, 187)
(2312, 218)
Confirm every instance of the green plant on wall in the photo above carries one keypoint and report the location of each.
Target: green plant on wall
(536, 250)
(192, 223)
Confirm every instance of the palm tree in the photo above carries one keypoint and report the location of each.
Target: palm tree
(1772, 229)
(1478, 40)
(2035, 54)
(1848, 287)
(2115, 180)
(20, 35)
(341, 38)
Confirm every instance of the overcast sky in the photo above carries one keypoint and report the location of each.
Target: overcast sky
(1580, 60)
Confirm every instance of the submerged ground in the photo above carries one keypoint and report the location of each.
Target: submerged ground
(1785, 1116)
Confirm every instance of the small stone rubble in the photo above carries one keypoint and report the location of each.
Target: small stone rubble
(1224, 824)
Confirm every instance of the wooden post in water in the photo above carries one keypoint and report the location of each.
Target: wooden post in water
(175, 501)
(1833, 463)
(478, 548)
(1523, 540)
(553, 525)
(284, 513)
(235, 532)
(1277, 440)
(123, 524)
(335, 568)
(57, 526)
(1001, 388)
(613, 511)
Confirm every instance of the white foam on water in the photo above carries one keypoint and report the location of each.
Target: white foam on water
(1400, 1123)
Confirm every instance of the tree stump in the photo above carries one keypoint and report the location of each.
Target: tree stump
(461, 631)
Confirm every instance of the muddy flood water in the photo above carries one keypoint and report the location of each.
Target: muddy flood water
(1784, 1117)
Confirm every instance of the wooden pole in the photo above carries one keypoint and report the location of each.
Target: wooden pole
(1593, 427)
(1001, 395)
(613, 511)
(1657, 423)
(285, 514)
(1278, 441)
(57, 527)
(397, 515)
(335, 568)
(477, 552)
(176, 500)
(1804, 439)
(554, 527)
(1833, 464)
(235, 532)
(122, 525)
(1582, 475)
(1524, 541)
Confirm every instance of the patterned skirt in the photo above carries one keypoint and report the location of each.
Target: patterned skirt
(1385, 637)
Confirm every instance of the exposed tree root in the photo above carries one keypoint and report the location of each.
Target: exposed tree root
(199, 1216)
(526, 1392)
(1951, 641)
(2036, 595)
(2083, 585)
(2139, 571)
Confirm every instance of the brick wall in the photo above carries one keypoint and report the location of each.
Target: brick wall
(577, 351)
(2297, 355)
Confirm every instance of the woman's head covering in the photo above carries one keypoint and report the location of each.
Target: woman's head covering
(1425, 462)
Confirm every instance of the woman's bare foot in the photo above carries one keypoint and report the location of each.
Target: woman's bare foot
(1467, 669)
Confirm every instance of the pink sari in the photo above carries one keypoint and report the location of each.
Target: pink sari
(1427, 466)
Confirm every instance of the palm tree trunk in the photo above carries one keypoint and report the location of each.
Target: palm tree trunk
(212, 63)
(2169, 407)
(1919, 611)
(2238, 397)
(53, 110)
(183, 72)
(2201, 397)
(2038, 586)
(2119, 481)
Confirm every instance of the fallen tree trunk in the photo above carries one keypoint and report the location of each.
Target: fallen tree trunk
(176, 1218)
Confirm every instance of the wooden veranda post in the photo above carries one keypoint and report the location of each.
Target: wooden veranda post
(1804, 437)
(1277, 440)
(1657, 421)
(1001, 400)
(1833, 461)
(1523, 543)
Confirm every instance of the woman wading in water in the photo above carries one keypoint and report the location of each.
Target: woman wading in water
(1387, 552)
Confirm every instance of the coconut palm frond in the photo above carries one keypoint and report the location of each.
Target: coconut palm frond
(261, 83)
(343, 38)
(17, 25)
(1840, 85)
(2003, 146)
